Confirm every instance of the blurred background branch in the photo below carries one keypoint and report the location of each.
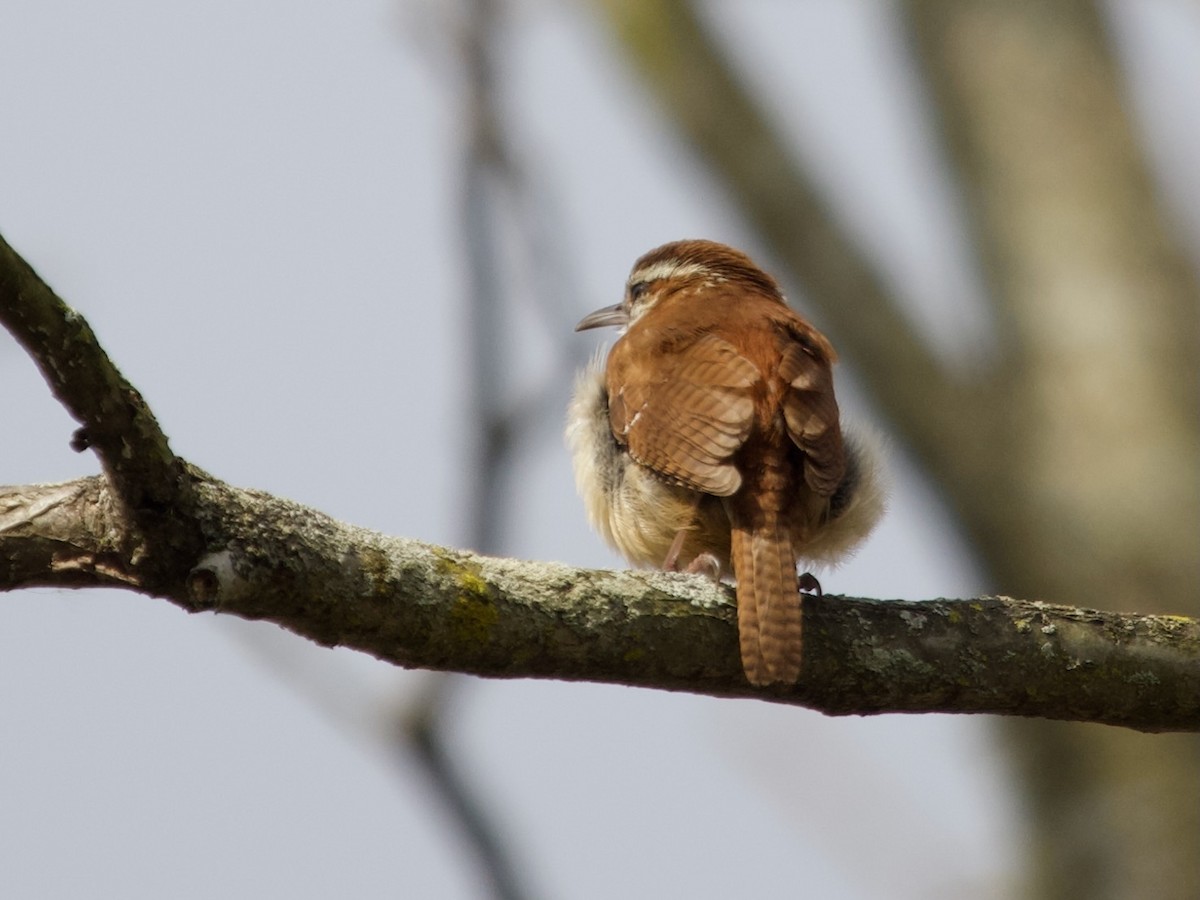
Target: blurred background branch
(489, 178)
(503, 218)
(855, 143)
(1087, 415)
(1102, 305)
(690, 76)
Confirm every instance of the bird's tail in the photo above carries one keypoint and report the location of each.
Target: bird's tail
(768, 600)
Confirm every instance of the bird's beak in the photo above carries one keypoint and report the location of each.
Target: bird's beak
(609, 315)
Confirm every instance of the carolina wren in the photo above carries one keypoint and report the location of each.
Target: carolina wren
(711, 438)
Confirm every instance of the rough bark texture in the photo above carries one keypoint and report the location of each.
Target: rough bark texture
(414, 604)
(260, 557)
(151, 495)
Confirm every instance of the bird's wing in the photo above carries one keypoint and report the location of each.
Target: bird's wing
(686, 417)
(811, 413)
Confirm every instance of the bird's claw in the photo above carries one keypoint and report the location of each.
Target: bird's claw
(810, 585)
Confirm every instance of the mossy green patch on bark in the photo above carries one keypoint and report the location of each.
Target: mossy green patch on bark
(473, 614)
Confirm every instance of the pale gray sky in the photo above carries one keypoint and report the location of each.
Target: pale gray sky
(253, 203)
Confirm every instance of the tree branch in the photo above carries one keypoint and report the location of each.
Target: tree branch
(257, 556)
(418, 605)
(147, 478)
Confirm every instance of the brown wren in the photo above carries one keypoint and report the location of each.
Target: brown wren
(710, 439)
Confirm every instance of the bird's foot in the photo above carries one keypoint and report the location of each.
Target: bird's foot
(671, 563)
(705, 564)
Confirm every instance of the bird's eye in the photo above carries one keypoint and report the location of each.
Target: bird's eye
(637, 290)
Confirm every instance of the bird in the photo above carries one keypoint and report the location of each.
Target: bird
(709, 440)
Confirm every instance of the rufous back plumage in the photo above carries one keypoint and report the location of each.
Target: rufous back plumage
(724, 395)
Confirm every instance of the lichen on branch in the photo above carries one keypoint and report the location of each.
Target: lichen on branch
(155, 524)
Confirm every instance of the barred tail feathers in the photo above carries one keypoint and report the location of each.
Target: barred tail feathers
(768, 600)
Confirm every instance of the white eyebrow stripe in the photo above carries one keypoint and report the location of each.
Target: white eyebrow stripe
(667, 268)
